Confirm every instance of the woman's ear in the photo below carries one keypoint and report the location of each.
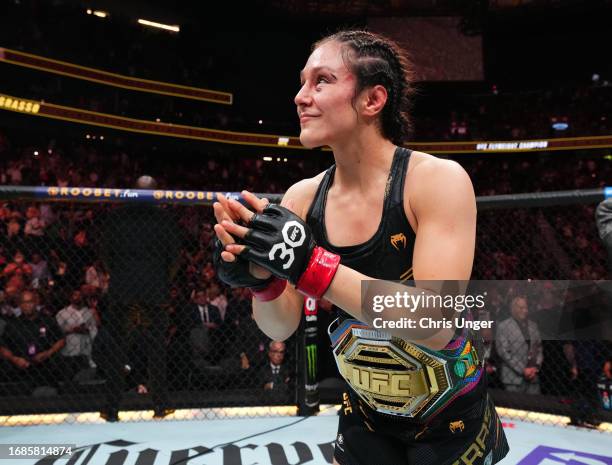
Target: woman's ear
(373, 100)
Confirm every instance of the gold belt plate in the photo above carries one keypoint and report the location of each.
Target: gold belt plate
(391, 375)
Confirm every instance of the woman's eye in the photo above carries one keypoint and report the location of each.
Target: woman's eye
(321, 79)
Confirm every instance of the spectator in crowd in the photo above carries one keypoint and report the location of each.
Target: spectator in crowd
(9, 303)
(204, 312)
(31, 344)
(275, 375)
(140, 246)
(47, 215)
(217, 298)
(519, 347)
(14, 237)
(208, 273)
(204, 334)
(18, 272)
(80, 325)
(34, 228)
(96, 276)
(40, 270)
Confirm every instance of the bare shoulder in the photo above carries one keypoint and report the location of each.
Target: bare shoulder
(423, 165)
(302, 194)
(430, 179)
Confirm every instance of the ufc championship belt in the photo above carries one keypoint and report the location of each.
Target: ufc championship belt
(396, 377)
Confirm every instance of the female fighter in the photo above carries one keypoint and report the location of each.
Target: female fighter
(413, 395)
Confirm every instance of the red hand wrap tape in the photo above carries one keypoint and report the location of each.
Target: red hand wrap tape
(319, 273)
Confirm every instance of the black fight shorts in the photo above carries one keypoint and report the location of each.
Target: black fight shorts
(476, 438)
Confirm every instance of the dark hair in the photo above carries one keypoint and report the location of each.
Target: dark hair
(377, 60)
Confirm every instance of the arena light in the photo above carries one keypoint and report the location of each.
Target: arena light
(166, 27)
(267, 158)
(100, 13)
(560, 126)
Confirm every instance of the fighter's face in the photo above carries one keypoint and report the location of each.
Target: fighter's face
(324, 101)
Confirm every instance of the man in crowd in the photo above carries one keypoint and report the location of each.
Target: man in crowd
(31, 343)
(204, 332)
(79, 324)
(275, 375)
(519, 348)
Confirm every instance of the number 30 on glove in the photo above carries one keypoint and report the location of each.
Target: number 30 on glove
(281, 242)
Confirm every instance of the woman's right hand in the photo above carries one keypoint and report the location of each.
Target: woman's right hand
(227, 272)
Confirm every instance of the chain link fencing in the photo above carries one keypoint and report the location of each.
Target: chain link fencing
(114, 307)
(533, 373)
(127, 316)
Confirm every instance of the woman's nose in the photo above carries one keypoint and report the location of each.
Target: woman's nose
(302, 98)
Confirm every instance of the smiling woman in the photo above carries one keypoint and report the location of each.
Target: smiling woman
(351, 71)
(336, 230)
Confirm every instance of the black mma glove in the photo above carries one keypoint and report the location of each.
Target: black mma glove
(281, 242)
(236, 273)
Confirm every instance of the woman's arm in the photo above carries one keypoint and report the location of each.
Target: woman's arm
(278, 318)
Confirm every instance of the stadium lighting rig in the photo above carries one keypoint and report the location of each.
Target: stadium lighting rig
(166, 27)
